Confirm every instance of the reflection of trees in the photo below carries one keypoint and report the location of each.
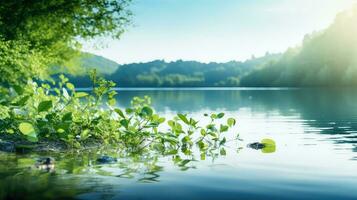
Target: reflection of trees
(78, 173)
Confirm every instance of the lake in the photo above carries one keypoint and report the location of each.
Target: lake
(315, 131)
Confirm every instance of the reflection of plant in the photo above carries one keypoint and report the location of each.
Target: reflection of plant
(60, 113)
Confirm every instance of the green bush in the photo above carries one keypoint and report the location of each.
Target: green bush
(39, 112)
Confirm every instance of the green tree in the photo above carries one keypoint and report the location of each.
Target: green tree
(35, 34)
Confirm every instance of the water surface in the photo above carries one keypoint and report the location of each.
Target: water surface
(315, 131)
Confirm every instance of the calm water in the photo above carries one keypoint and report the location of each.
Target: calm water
(316, 155)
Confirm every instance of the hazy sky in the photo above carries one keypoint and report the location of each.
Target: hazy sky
(217, 30)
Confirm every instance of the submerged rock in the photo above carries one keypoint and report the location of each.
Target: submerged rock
(7, 146)
(106, 160)
(256, 145)
(45, 163)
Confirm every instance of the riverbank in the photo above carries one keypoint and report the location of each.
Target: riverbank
(11, 145)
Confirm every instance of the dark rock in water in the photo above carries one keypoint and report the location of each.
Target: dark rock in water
(106, 160)
(256, 145)
(45, 161)
(7, 146)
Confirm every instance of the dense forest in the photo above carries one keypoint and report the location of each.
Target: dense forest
(326, 58)
(179, 73)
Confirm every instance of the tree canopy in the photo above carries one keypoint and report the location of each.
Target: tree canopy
(325, 58)
(37, 33)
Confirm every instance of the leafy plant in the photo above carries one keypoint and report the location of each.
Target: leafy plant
(57, 112)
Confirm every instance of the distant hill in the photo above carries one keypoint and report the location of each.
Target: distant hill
(326, 58)
(179, 73)
(103, 65)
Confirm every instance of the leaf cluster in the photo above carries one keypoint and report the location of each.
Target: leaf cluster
(58, 112)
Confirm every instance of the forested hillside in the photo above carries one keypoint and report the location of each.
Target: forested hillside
(326, 58)
(180, 73)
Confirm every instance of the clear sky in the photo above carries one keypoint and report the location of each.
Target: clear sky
(217, 30)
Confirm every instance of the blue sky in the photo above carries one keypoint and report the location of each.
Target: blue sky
(216, 30)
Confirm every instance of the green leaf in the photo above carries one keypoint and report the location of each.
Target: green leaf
(22, 101)
(18, 89)
(147, 111)
(223, 152)
(80, 94)
(183, 118)
(223, 141)
(203, 132)
(67, 117)
(44, 106)
(129, 111)
(220, 115)
(171, 123)
(270, 146)
(60, 130)
(26, 128)
(231, 122)
(161, 120)
(112, 102)
(125, 123)
(70, 86)
(223, 128)
(119, 112)
(32, 139)
(85, 134)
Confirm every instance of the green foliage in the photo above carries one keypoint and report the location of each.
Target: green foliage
(44, 106)
(60, 113)
(178, 74)
(35, 35)
(18, 62)
(326, 58)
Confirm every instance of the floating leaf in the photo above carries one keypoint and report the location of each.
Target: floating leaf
(269, 146)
